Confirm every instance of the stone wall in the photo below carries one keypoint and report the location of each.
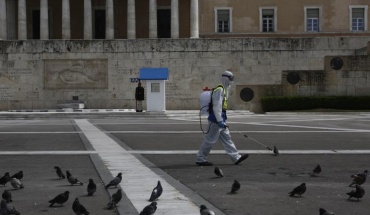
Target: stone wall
(38, 74)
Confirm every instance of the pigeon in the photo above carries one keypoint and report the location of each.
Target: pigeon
(16, 183)
(8, 209)
(59, 199)
(72, 179)
(116, 197)
(115, 181)
(276, 151)
(5, 179)
(357, 193)
(59, 172)
(316, 171)
(3, 210)
(157, 192)
(205, 211)
(219, 172)
(325, 212)
(78, 208)
(235, 187)
(91, 187)
(7, 196)
(358, 178)
(149, 209)
(18, 175)
(298, 190)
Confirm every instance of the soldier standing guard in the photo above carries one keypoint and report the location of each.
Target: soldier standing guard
(139, 96)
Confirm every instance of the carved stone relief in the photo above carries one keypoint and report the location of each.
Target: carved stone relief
(76, 74)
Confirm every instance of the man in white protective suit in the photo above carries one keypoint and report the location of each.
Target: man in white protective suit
(217, 125)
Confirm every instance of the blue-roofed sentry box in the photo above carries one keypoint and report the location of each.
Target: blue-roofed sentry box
(155, 87)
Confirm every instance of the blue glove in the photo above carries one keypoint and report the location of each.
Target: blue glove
(221, 124)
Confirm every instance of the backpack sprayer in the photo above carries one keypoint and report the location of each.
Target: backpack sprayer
(205, 105)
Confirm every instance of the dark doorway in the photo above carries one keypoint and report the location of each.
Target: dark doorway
(35, 24)
(164, 23)
(99, 24)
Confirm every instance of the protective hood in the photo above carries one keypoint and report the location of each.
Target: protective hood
(227, 79)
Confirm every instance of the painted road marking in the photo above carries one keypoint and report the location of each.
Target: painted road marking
(187, 132)
(185, 152)
(291, 152)
(40, 132)
(232, 131)
(47, 152)
(138, 180)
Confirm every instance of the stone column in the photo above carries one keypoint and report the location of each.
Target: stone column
(194, 19)
(175, 19)
(66, 20)
(109, 27)
(153, 31)
(44, 20)
(131, 19)
(87, 20)
(22, 20)
(3, 21)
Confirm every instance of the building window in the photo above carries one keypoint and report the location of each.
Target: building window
(312, 19)
(358, 18)
(155, 88)
(268, 19)
(223, 20)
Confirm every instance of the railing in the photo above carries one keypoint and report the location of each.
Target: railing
(361, 51)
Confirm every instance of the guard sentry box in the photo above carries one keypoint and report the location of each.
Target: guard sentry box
(205, 99)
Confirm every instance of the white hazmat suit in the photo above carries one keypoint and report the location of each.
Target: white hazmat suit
(217, 125)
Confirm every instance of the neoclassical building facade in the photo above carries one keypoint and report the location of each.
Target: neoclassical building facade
(56, 50)
(136, 19)
(98, 19)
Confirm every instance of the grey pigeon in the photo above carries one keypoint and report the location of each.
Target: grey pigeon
(91, 187)
(276, 151)
(116, 197)
(115, 181)
(16, 183)
(316, 170)
(3, 210)
(18, 175)
(205, 211)
(59, 199)
(235, 186)
(157, 192)
(298, 190)
(9, 208)
(72, 179)
(359, 178)
(325, 212)
(5, 179)
(78, 208)
(59, 172)
(219, 172)
(358, 193)
(149, 209)
(7, 196)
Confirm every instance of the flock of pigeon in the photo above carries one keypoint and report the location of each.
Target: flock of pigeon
(15, 180)
(7, 207)
(357, 180)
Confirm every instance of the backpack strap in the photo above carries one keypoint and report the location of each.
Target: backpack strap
(210, 105)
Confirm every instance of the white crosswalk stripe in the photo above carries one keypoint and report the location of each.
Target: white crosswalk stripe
(138, 180)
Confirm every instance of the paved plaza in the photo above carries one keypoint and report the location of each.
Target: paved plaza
(147, 147)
